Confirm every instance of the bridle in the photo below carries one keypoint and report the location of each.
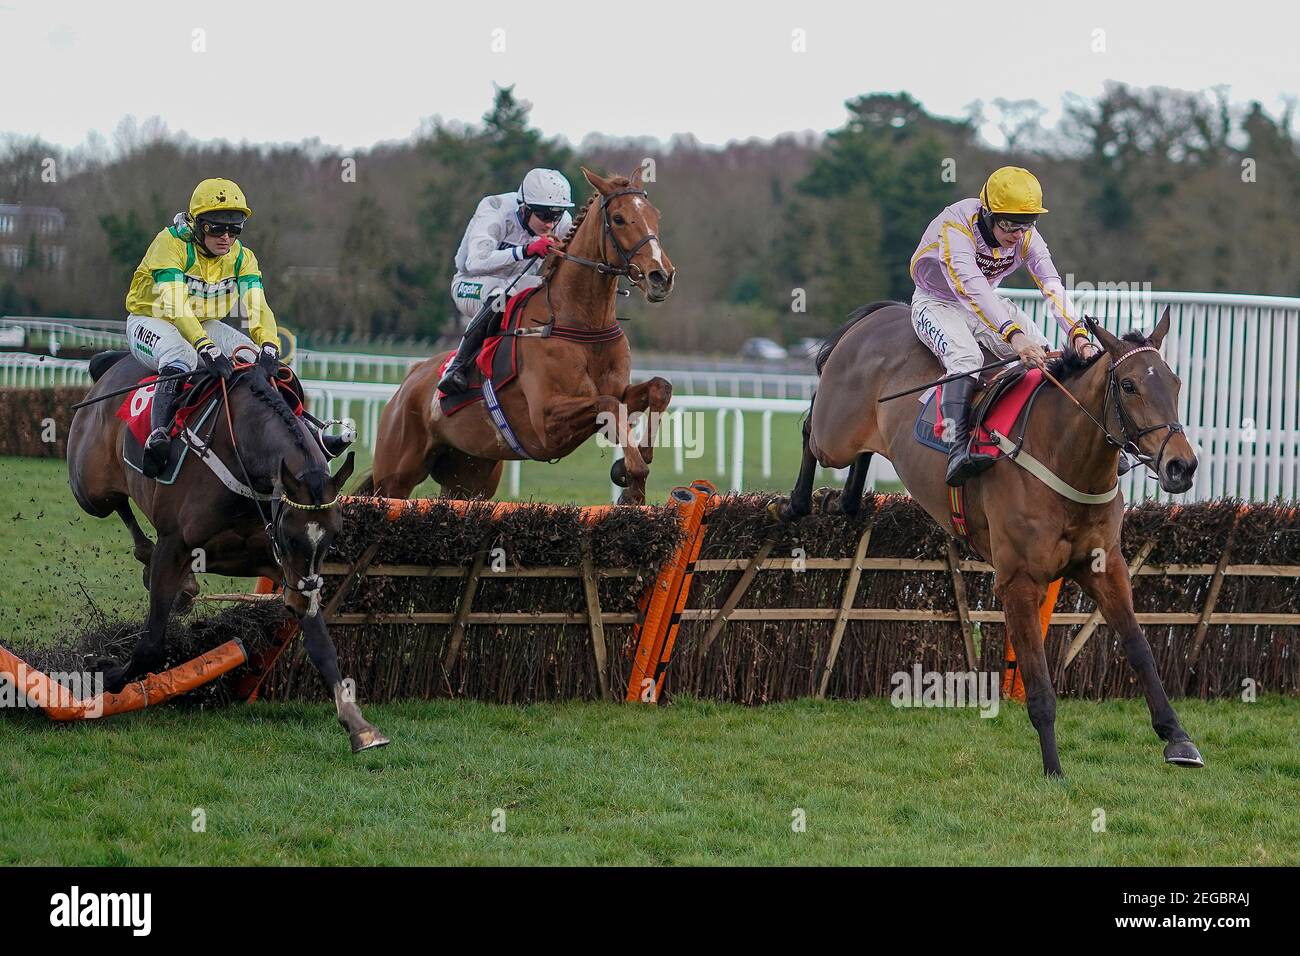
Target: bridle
(279, 504)
(602, 266)
(1129, 431)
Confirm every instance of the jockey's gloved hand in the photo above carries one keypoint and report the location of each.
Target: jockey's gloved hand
(1084, 347)
(213, 361)
(268, 360)
(541, 246)
(1031, 353)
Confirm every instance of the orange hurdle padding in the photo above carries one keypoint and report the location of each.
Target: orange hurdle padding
(661, 605)
(58, 703)
(397, 507)
(1013, 685)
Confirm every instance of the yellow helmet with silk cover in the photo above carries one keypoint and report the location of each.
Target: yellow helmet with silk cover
(218, 196)
(1013, 191)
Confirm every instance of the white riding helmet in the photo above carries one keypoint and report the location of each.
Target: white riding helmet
(545, 187)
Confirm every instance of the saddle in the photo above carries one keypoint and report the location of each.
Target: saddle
(495, 362)
(200, 398)
(1002, 404)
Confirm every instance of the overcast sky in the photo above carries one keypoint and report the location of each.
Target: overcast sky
(353, 73)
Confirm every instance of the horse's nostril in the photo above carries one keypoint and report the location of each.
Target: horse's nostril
(657, 277)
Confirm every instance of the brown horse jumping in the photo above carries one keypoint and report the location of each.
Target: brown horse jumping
(1030, 533)
(566, 389)
(280, 526)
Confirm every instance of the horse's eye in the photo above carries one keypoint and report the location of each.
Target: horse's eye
(619, 220)
(1128, 386)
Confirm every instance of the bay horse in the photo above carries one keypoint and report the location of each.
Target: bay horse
(566, 387)
(259, 444)
(1032, 535)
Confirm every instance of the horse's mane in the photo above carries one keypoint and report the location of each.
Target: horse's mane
(1069, 364)
(549, 271)
(270, 396)
(856, 316)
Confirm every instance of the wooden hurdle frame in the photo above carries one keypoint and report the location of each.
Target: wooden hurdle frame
(662, 607)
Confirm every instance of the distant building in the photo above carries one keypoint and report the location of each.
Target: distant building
(23, 228)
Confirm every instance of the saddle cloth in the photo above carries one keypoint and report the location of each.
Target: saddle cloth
(197, 405)
(999, 407)
(198, 402)
(496, 361)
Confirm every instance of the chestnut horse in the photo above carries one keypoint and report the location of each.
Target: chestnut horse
(1032, 535)
(566, 389)
(265, 506)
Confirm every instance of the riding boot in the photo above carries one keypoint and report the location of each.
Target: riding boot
(166, 396)
(954, 407)
(454, 379)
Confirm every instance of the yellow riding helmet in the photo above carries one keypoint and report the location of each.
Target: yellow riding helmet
(1014, 191)
(216, 195)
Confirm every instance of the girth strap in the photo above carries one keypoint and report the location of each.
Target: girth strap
(573, 333)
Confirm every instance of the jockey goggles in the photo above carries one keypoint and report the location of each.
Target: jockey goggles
(1014, 225)
(547, 213)
(220, 228)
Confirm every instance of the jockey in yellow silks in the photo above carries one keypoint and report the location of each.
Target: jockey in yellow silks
(964, 255)
(188, 296)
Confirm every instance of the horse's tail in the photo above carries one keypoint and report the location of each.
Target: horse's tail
(366, 486)
(856, 316)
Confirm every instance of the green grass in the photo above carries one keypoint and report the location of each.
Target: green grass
(694, 782)
(690, 783)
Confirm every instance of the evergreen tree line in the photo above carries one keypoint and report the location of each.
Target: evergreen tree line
(782, 238)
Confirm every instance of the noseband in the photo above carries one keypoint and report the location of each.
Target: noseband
(1129, 431)
(278, 510)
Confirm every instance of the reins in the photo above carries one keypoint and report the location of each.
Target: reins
(1129, 432)
(628, 270)
(272, 524)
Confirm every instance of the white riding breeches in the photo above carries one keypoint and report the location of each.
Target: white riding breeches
(954, 333)
(156, 343)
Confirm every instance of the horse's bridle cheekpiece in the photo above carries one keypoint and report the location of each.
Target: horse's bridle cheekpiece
(1129, 432)
(603, 267)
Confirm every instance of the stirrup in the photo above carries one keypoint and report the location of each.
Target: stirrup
(156, 452)
(333, 445)
(963, 467)
(453, 380)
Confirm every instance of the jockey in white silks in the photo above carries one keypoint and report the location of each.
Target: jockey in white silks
(964, 255)
(509, 234)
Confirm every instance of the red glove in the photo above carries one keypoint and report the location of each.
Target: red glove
(541, 246)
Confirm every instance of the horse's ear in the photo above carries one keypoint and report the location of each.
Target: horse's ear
(286, 476)
(635, 178)
(345, 471)
(1162, 329)
(599, 183)
(1108, 341)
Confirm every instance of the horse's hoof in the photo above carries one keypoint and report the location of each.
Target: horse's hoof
(114, 678)
(825, 500)
(779, 509)
(631, 498)
(369, 739)
(1183, 753)
(618, 473)
(183, 602)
